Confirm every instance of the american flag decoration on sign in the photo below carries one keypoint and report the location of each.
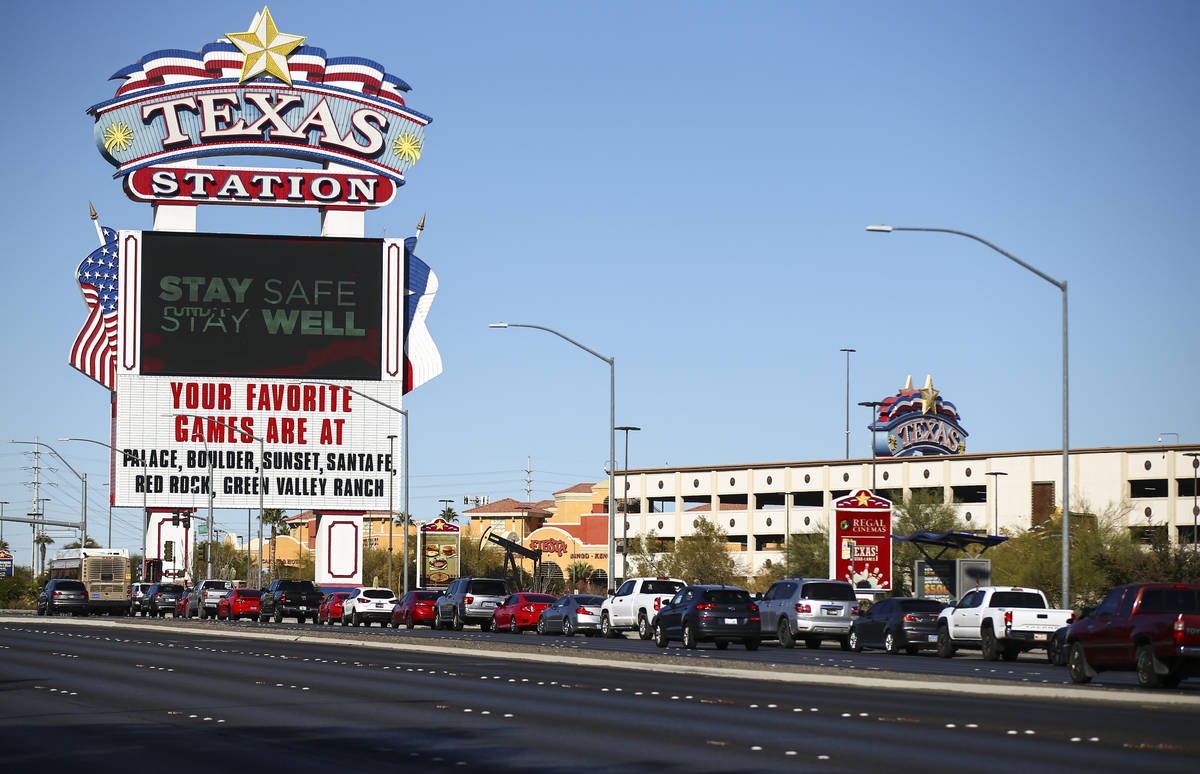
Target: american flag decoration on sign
(95, 350)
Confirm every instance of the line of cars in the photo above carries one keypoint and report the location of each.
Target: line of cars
(1152, 629)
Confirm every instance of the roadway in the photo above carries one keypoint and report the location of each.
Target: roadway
(197, 696)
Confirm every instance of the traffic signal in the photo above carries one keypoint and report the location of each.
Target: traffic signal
(187, 522)
(169, 551)
(174, 518)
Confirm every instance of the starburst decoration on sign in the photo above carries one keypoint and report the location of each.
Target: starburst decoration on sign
(118, 137)
(408, 147)
(265, 48)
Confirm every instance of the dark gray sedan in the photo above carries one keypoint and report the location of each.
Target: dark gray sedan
(897, 624)
(62, 595)
(570, 614)
(719, 614)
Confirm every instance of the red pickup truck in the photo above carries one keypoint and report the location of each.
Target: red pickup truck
(1151, 628)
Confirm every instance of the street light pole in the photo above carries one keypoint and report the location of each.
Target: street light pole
(1066, 461)
(145, 488)
(612, 435)
(847, 351)
(391, 508)
(872, 404)
(625, 503)
(995, 474)
(83, 481)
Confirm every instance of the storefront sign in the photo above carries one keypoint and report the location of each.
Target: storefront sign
(439, 546)
(862, 547)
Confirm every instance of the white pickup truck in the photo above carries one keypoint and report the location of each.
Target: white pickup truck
(1002, 621)
(635, 605)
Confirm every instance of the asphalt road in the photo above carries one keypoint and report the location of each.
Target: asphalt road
(187, 697)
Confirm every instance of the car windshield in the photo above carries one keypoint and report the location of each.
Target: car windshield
(377, 593)
(425, 596)
(1025, 599)
(295, 585)
(1183, 600)
(726, 596)
(173, 588)
(70, 585)
(249, 593)
(589, 600)
(488, 588)
(921, 606)
(838, 592)
(538, 598)
(661, 587)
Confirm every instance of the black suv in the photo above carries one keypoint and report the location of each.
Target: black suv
(63, 595)
(160, 599)
(290, 597)
(721, 614)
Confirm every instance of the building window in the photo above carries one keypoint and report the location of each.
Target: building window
(807, 521)
(1147, 465)
(768, 521)
(968, 517)
(968, 472)
(769, 501)
(807, 478)
(925, 473)
(808, 499)
(696, 483)
(732, 522)
(738, 500)
(660, 525)
(970, 494)
(768, 480)
(660, 484)
(885, 475)
(732, 480)
(1186, 487)
(1147, 487)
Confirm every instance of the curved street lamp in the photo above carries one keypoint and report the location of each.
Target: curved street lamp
(612, 436)
(145, 488)
(1066, 463)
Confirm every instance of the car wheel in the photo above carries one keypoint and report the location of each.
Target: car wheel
(1054, 651)
(855, 643)
(354, 619)
(1077, 665)
(1010, 652)
(569, 630)
(945, 645)
(912, 650)
(660, 635)
(786, 638)
(409, 624)
(751, 643)
(644, 630)
(721, 644)
(889, 644)
(991, 647)
(300, 619)
(278, 617)
(541, 626)
(457, 623)
(606, 629)
(1146, 676)
(813, 643)
(689, 636)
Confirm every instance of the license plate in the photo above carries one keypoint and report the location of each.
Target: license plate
(1039, 637)
(933, 638)
(731, 620)
(831, 611)
(303, 608)
(489, 604)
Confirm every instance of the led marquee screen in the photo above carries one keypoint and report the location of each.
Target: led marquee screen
(260, 306)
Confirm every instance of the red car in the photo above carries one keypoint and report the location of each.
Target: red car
(181, 604)
(1152, 629)
(415, 607)
(238, 603)
(331, 607)
(520, 611)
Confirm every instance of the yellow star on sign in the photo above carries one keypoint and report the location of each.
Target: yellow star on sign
(928, 396)
(266, 48)
(863, 499)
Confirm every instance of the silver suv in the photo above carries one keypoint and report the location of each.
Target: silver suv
(204, 596)
(809, 609)
(469, 601)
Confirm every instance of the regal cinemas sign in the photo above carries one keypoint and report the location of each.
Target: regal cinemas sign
(259, 93)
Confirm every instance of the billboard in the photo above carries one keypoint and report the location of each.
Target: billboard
(862, 544)
(439, 547)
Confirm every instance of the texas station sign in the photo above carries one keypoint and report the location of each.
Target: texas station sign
(862, 541)
(248, 369)
(917, 422)
(259, 92)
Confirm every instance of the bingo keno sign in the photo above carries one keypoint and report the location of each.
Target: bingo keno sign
(244, 366)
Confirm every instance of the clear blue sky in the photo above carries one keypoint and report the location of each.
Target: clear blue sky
(685, 186)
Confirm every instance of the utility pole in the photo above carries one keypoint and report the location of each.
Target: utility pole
(529, 479)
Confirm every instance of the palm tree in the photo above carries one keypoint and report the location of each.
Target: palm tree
(91, 543)
(274, 518)
(449, 514)
(3, 545)
(41, 541)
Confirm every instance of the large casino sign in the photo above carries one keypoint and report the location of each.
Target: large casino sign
(916, 422)
(259, 92)
(250, 370)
